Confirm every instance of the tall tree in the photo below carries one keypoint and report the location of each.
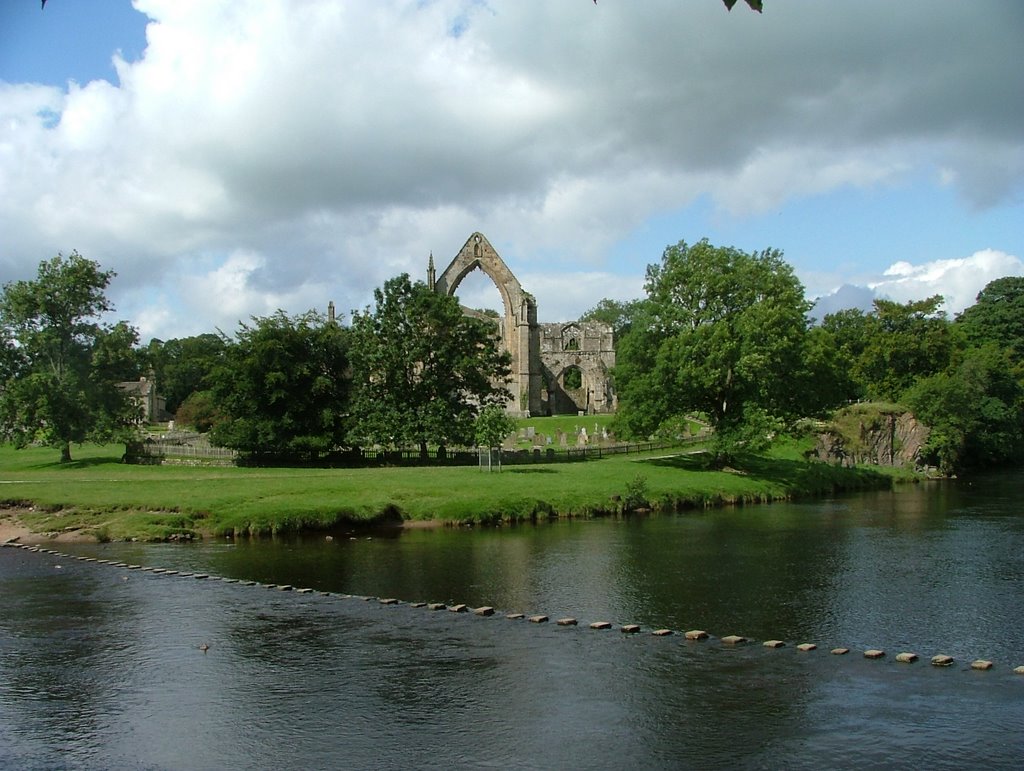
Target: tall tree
(182, 365)
(721, 333)
(975, 410)
(618, 314)
(997, 316)
(903, 343)
(422, 370)
(283, 388)
(61, 364)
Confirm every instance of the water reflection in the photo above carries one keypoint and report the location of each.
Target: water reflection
(100, 672)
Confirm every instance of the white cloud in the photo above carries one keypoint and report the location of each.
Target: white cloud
(958, 281)
(288, 152)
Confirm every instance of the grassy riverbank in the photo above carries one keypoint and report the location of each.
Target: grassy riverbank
(97, 496)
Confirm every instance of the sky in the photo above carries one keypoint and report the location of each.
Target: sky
(229, 159)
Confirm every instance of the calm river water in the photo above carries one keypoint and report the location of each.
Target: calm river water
(101, 667)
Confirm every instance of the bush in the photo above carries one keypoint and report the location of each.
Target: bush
(198, 412)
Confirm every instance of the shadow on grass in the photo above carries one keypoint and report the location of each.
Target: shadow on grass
(84, 463)
(796, 475)
(530, 470)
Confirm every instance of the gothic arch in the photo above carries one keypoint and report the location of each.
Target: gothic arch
(520, 332)
(478, 253)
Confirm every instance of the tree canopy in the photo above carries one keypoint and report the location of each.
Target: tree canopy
(182, 365)
(719, 334)
(283, 388)
(997, 316)
(422, 369)
(60, 364)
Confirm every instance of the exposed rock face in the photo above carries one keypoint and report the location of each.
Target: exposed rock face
(890, 440)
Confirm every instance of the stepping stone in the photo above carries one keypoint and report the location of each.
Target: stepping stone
(229, 580)
(734, 639)
(981, 664)
(459, 608)
(134, 567)
(805, 647)
(942, 660)
(514, 616)
(773, 644)
(437, 606)
(696, 634)
(630, 628)
(485, 610)
(538, 619)
(840, 651)
(601, 625)
(566, 622)
(198, 576)
(306, 590)
(906, 658)
(873, 653)
(388, 601)
(1018, 670)
(661, 632)
(418, 605)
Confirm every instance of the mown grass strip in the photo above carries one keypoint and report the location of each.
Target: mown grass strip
(100, 495)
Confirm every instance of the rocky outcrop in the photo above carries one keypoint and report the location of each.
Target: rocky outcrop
(884, 439)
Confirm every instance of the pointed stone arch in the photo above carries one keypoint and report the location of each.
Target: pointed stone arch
(520, 332)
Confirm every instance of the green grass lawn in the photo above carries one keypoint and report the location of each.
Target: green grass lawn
(102, 496)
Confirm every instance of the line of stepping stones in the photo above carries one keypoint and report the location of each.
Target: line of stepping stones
(906, 657)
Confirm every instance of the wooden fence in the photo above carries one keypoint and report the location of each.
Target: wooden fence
(198, 450)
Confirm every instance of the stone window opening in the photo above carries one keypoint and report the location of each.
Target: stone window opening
(572, 379)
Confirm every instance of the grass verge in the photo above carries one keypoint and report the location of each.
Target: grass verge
(97, 495)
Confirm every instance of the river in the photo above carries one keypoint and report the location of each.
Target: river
(110, 667)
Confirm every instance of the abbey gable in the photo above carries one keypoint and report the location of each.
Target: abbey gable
(557, 369)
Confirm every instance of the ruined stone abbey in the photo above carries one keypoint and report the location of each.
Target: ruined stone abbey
(557, 369)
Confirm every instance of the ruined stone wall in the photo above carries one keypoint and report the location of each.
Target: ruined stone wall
(556, 368)
(576, 362)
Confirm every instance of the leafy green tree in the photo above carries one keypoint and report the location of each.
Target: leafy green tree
(903, 343)
(824, 380)
(61, 364)
(755, 5)
(618, 314)
(997, 316)
(493, 424)
(422, 370)
(182, 365)
(199, 411)
(283, 389)
(721, 333)
(975, 410)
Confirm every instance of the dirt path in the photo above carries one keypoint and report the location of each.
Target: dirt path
(12, 528)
